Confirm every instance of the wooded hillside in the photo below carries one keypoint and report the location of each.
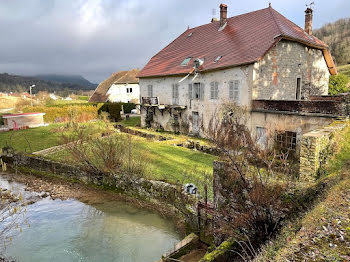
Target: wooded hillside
(15, 83)
(337, 36)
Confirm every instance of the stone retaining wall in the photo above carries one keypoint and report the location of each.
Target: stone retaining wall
(148, 190)
(316, 147)
(190, 144)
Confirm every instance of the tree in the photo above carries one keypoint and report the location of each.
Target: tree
(338, 84)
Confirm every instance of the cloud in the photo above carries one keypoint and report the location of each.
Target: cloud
(95, 38)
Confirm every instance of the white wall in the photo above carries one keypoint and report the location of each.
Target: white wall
(162, 88)
(118, 93)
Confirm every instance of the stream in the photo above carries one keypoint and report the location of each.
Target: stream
(70, 230)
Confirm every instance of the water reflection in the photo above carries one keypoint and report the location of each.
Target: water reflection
(70, 230)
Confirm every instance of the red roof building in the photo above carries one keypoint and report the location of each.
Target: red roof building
(244, 39)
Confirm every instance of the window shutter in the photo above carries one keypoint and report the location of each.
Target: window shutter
(173, 89)
(190, 91)
(150, 90)
(212, 95)
(216, 90)
(231, 90)
(201, 90)
(236, 91)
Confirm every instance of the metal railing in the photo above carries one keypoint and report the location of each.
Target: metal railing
(150, 100)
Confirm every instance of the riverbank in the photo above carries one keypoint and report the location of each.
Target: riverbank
(60, 188)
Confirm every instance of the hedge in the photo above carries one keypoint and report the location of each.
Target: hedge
(113, 109)
(128, 107)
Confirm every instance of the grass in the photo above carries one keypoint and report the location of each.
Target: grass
(166, 162)
(36, 139)
(316, 235)
(31, 140)
(344, 69)
(131, 122)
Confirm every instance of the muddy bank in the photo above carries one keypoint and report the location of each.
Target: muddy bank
(58, 188)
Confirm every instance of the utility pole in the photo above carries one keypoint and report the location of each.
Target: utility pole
(31, 98)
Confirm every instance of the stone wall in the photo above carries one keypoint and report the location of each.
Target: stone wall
(147, 190)
(316, 147)
(275, 76)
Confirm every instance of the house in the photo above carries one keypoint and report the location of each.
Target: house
(122, 86)
(259, 60)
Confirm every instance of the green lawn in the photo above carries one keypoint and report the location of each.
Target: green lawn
(344, 69)
(36, 139)
(31, 140)
(132, 122)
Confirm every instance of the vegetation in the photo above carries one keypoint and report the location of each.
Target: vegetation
(344, 69)
(322, 234)
(113, 109)
(338, 84)
(131, 122)
(337, 36)
(15, 83)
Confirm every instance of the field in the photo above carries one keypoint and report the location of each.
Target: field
(344, 69)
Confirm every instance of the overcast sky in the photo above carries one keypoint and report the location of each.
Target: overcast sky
(95, 38)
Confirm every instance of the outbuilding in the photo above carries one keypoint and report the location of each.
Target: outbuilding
(24, 120)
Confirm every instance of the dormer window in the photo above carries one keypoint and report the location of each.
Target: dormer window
(217, 59)
(186, 61)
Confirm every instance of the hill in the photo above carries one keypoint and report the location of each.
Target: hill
(15, 83)
(337, 36)
(67, 79)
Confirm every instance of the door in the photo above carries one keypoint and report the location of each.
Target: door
(195, 122)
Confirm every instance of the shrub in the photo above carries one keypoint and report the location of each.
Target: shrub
(338, 84)
(113, 109)
(128, 107)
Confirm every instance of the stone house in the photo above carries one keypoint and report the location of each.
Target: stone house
(122, 86)
(259, 60)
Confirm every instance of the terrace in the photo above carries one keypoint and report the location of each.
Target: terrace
(328, 106)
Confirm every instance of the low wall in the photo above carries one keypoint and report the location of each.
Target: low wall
(148, 190)
(316, 148)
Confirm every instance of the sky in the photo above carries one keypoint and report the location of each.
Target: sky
(95, 38)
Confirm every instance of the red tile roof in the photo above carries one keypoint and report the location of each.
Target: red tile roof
(245, 39)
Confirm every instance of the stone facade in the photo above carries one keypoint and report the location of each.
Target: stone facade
(316, 148)
(275, 76)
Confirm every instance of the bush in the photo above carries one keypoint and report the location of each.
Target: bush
(113, 109)
(128, 107)
(338, 84)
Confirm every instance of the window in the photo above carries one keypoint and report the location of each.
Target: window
(234, 90)
(298, 89)
(286, 140)
(150, 90)
(217, 59)
(198, 91)
(214, 90)
(186, 61)
(175, 93)
(190, 34)
(190, 91)
(129, 89)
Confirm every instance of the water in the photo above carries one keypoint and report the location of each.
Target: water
(69, 230)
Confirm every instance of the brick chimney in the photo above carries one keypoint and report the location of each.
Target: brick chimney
(223, 14)
(308, 20)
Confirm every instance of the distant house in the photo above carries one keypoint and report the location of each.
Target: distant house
(259, 60)
(122, 86)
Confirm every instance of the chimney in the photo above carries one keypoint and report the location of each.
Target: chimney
(223, 14)
(308, 21)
